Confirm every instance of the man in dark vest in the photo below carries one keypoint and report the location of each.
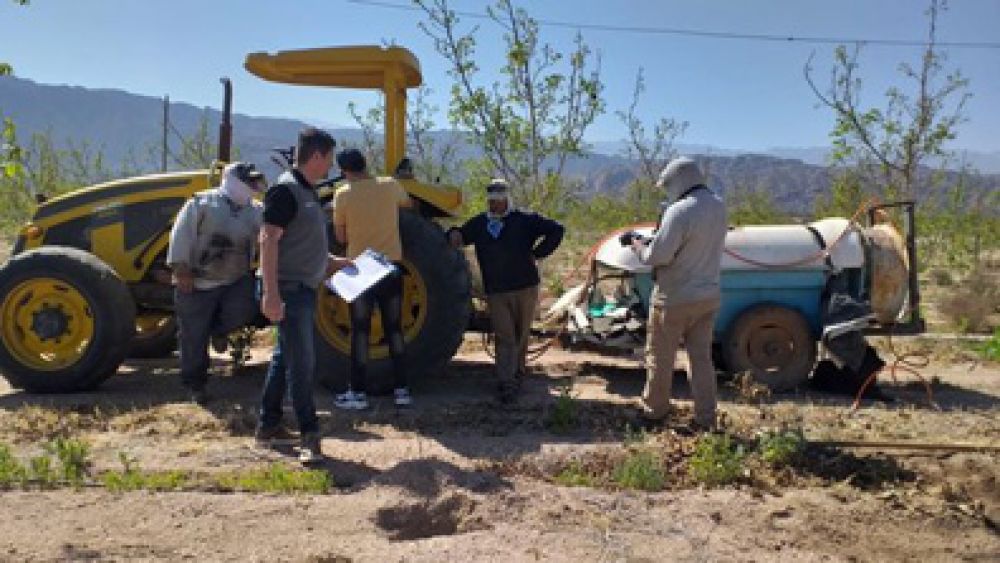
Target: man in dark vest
(294, 261)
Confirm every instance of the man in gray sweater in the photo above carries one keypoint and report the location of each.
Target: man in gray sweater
(685, 253)
(212, 248)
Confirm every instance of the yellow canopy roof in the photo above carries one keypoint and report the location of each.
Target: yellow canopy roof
(345, 67)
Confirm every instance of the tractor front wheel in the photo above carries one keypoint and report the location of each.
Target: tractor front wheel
(67, 320)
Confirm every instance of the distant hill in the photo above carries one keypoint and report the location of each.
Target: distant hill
(120, 123)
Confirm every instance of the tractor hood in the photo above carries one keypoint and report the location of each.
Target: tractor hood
(365, 66)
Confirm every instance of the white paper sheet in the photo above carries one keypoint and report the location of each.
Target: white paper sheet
(368, 269)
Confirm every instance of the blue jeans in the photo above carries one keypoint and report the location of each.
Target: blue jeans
(293, 362)
(204, 313)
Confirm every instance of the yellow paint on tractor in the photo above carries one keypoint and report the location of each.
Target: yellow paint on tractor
(107, 238)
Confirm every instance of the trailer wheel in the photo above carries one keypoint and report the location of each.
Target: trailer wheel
(773, 343)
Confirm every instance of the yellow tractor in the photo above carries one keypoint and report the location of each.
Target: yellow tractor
(87, 285)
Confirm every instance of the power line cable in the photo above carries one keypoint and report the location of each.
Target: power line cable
(708, 33)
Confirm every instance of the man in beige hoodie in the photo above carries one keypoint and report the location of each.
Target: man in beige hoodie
(685, 252)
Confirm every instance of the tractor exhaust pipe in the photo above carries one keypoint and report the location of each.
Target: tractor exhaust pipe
(226, 127)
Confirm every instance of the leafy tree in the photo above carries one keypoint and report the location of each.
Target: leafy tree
(847, 194)
(534, 117)
(650, 152)
(434, 160)
(9, 151)
(197, 150)
(748, 205)
(370, 122)
(889, 146)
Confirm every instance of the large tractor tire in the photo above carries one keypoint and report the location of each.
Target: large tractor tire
(773, 343)
(67, 320)
(155, 336)
(436, 303)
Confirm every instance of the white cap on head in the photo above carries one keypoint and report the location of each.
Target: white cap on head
(679, 175)
(240, 182)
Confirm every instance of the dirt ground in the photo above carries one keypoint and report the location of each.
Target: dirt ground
(456, 476)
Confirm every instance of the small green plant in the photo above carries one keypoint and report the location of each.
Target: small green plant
(575, 475)
(130, 478)
(72, 455)
(990, 349)
(41, 473)
(716, 460)
(633, 437)
(166, 480)
(279, 479)
(640, 469)
(781, 448)
(11, 471)
(563, 417)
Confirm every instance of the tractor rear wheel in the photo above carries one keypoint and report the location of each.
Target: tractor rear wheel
(773, 343)
(436, 301)
(67, 320)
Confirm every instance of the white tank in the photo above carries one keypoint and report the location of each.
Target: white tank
(758, 247)
(794, 246)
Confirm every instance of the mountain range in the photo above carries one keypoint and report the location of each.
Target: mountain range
(128, 127)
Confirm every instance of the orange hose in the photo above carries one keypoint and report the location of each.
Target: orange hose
(901, 362)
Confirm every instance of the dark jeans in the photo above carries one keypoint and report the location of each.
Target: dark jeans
(293, 362)
(204, 313)
(388, 295)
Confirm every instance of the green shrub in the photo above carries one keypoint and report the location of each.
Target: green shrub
(575, 475)
(563, 417)
(72, 455)
(782, 448)
(641, 470)
(11, 471)
(991, 348)
(40, 471)
(279, 479)
(716, 460)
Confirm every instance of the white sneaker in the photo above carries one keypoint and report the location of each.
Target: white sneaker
(310, 450)
(351, 401)
(402, 397)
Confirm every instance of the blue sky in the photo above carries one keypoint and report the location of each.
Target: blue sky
(735, 93)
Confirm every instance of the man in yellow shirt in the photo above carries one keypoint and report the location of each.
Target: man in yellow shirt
(366, 215)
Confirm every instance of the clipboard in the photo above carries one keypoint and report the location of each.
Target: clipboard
(362, 274)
